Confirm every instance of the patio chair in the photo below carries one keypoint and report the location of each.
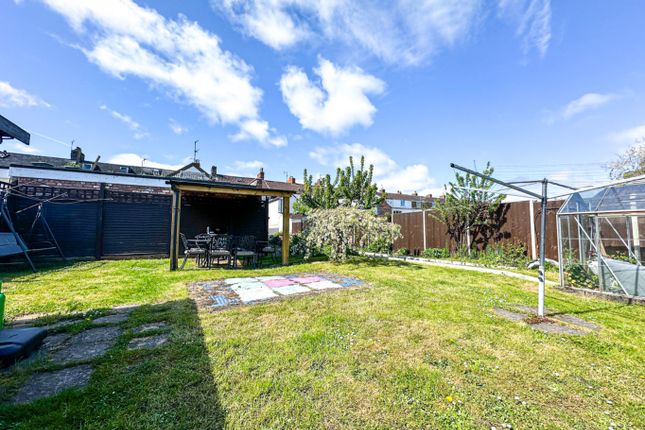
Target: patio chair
(265, 248)
(245, 250)
(220, 248)
(194, 249)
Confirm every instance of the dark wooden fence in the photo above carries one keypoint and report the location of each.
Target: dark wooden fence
(100, 223)
(514, 227)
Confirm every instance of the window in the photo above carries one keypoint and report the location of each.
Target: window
(402, 203)
(280, 207)
(415, 205)
(86, 166)
(124, 169)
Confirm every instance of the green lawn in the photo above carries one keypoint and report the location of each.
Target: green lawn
(420, 348)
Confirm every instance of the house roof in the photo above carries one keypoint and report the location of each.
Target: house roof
(402, 196)
(190, 172)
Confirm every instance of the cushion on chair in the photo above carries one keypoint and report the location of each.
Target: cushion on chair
(245, 253)
(220, 253)
(268, 249)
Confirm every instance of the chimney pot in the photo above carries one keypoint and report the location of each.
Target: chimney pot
(260, 174)
(291, 180)
(398, 191)
(213, 171)
(77, 155)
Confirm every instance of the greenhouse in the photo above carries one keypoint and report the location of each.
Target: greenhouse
(600, 238)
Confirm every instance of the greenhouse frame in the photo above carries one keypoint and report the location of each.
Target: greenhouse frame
(601, 232)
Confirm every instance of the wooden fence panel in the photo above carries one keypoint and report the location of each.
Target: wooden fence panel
(515, 228)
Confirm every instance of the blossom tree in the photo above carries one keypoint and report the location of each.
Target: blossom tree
(339, 230)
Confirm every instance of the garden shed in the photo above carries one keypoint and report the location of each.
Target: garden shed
(600, 238)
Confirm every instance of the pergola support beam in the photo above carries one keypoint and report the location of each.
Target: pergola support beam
(286, 224)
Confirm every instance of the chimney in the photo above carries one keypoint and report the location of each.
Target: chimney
(415, 193)
(77, 155)
(213, 171)
(398, 191)
(260, 174)
(291, 180)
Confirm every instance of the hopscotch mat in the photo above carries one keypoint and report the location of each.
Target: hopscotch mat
(236, 291)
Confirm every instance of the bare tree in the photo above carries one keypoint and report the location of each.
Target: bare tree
(629, 164)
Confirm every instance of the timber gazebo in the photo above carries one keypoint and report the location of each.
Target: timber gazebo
(226, 204)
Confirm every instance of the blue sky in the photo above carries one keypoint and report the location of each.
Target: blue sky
(536, 87)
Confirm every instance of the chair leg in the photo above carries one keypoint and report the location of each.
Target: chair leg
(184, 262)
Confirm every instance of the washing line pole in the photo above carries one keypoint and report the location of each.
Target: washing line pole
(543, 201)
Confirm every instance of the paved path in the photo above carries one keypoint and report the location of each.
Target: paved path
(458, 265)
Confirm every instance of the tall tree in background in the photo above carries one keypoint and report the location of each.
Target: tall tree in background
(469, 207)
(629, 164)
(355, 187)
(319, 195)
(351, 188)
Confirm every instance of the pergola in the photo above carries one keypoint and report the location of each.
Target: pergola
(600, 237)
(182, 187)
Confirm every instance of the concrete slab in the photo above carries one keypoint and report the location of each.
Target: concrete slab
(546, 327)
(111, 319)
(291, 289)
(87, 345)
(55, 341)
(322, 285)
(513, 316)
(254, 295)
(148, 342)
(150, 326)
(47, 384)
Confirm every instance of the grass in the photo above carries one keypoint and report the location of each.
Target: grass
(420, 348)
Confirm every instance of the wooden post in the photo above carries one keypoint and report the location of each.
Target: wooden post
(100, 213)
(286, 223)
(425, 239)
(175, 223)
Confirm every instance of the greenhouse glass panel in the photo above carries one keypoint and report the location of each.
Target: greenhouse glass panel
(601, 238)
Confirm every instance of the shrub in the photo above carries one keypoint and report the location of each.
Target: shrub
(576, 275)
(341, 230)
(402, 251)
(436, 253)
(297, 244)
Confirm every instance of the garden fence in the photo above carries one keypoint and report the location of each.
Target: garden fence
(421, 230)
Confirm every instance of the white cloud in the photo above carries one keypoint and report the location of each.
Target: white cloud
(14, 97)
(630, 136)
(132, 159)
(387, 172)
(335, 104)
(586, 102)
(176, 127)
(403, 31)
(532, 19)
(133, 125)
(125, 39)
(254, 129)
(22, 148)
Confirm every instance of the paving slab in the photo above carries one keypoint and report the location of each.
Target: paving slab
(111, 319)
(556, 328)
(291, 289)
(253, 295)
(147, 342)
(64, 323)
(274, 283)
(87, 345)
(49, 384)
(55, 341)
(576, 321)
(509, 315)
(150, 326)
(322, 285)
(125, 309)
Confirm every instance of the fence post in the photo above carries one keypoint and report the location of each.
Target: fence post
(425, 239)
(100, 211)
(532, 224)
